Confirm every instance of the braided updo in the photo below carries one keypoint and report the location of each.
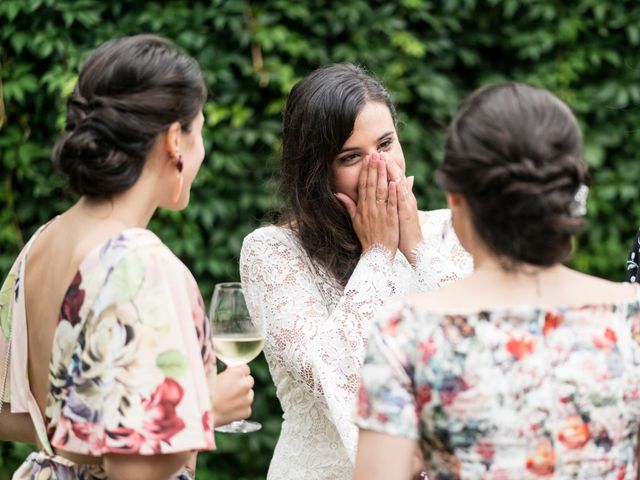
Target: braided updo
(514, 152)
(129, 90)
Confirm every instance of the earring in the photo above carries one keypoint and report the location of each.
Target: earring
(177, 188)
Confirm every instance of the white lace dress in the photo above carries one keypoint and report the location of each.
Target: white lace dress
(316, 334)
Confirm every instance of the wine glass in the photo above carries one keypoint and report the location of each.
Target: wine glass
(236, 339)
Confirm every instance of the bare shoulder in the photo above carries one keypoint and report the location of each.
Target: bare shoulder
(599, 290)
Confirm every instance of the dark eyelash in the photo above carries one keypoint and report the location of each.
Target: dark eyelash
(348, 158)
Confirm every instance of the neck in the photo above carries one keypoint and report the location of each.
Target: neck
(126, 208)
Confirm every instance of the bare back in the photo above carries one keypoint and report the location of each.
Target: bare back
(52, 263)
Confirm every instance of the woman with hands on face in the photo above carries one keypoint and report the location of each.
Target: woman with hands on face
(349, 240)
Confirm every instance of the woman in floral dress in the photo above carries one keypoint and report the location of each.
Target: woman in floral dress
(526, 369)
(107, 363)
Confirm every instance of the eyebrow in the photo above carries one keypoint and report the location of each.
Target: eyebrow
(386, 134)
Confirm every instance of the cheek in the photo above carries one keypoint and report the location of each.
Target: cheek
(345, 180)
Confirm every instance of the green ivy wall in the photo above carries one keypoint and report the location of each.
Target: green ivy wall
(429, 53)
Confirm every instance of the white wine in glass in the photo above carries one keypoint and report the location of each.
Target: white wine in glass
(236, 339)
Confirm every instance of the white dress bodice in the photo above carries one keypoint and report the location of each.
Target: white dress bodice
(316, 333)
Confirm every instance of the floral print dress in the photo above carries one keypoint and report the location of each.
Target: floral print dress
(132, 362)
(514, 393)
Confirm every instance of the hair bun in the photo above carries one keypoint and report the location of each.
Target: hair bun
(515, 153)
(129, 91)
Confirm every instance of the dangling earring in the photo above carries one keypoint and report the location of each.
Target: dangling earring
(177, 188)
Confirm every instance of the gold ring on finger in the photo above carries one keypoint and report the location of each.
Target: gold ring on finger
(379, 200)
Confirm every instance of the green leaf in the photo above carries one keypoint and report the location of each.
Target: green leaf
(172, 363)
(126, 278)
(5, 301)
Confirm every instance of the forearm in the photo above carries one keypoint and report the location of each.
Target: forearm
(150, 467)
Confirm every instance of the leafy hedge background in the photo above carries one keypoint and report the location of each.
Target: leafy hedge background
(429, 53)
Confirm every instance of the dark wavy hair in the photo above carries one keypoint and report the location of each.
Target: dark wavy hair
(129, 90)
(318, 119)
(514, 152)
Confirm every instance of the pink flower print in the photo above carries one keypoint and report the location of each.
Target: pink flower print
(606, 341)
(382, 417)
(574, 433)
(392, 325)
(428, 349)
(207, 425)
(364, 409)
(551, 322)
(162, 422)
(486, 450)
(520, 347)
(542, 462)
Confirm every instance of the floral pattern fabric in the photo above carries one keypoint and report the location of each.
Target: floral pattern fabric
(132, 362)
(515, 393)
(633, 260)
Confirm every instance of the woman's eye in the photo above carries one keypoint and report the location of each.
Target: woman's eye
(350, 158)
(384, 145)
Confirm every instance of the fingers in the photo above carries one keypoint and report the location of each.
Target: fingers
(372, 178)
(238, 370)
(362, 179)
(381, 185)
(392, 204)
(246, 413)
(402, 196)
(394, 171)
(348, 203)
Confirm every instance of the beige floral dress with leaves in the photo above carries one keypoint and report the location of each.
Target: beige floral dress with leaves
(132, 362)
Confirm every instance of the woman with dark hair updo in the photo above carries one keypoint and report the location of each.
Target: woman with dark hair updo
(107, 363)
(525, 369)
(350, 239)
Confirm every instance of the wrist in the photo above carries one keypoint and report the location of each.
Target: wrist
(379, 249)
(411, 250)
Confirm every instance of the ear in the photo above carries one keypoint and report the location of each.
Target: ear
(172, 141)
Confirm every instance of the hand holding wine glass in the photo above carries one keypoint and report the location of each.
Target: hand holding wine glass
(236, 339)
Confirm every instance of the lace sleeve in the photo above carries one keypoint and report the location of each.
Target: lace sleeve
(321, 348)
(440, 259)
